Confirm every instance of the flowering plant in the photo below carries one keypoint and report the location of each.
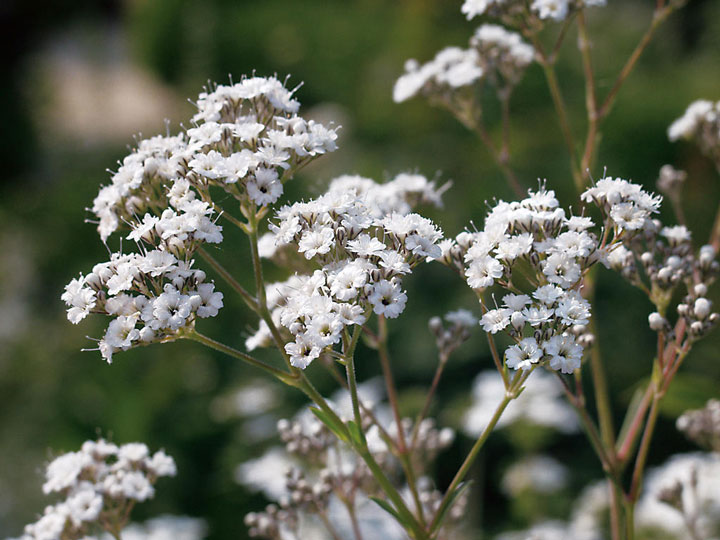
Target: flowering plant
(531, 268)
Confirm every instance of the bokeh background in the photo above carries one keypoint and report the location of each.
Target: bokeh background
(81, 78)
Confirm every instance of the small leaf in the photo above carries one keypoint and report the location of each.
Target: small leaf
(389, 509)
(357, 436)
(330, 423)
(462, 487)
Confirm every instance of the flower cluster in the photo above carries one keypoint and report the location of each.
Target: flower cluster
(556, 10)
(504, 54)
(246, 139)
(532, 245)
(400, 195)
(701, 124)
(153, 297)
(101, 483)
(495, 54)
(363, 259)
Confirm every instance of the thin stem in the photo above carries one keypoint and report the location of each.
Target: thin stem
(353, 520)
(629, 508)
(590, 96)
(500, 161)
(406, 462)
(560, 107)
(510, 394)
(389, 381)
(589, 425)
(246, 296)
(616, 509)
(428, 401)
(660, 14)
(715, 234)
(352, 381)
(287, 378)
(627, 444)
(330, 529)
(637, 476)
(261, 299)
(388, 489)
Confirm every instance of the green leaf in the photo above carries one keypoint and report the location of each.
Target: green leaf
(357, 436)
(331, 424)
(462, 487)
(389, 509)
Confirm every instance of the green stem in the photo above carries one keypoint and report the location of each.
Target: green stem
(389, 381)
(246, 296)
(428, 401)
(560, 108)
(390, 491)
(352, 381)
(510, 394)
(659, 17)
(636, 485)
(590, 96)
(285, 377)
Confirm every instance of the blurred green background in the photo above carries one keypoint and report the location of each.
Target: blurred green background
(81, 78)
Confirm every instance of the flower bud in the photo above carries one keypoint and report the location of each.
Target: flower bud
(702, 308)
(657, 322)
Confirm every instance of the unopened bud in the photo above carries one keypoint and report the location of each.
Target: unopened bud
(657, 322)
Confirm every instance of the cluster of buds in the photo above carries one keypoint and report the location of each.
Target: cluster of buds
(700, 124)
(667, 259)
(273, 523)
(703, 425)
(323, 480)
(309, 442)
(457, 332)
(431, 499)
(429, 440)
(100, 483)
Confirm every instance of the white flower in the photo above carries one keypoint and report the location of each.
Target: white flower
(523, 355)
(84, 506)
(265, 187)
(302, 351)
(565, 355)
(317, 241)
(63, 472)
(160, 464)
(537, 315)
(134, 485)
(573, 309)
(551, 9)
(483, 272)
(133, 452)
(387, 299)
(366, 246)
(210, 300)
(495, 320)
